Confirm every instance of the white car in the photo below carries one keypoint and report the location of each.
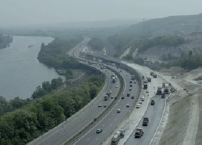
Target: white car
(118, 110)
(116, 86)
(127, 105)
(142, 99)
(138, 106)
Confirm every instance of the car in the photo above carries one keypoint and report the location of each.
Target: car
(118, 110)
(127, 105)
(112, 97)
(140, 102)
(116, 86)
(105, 106)
(142, 99)
(152, 102)
(130, 89)
(100, 105)
(122, 97)
(138, 106)
(132, 97)
(128, 95)
(131, 82)
(99, 130)
(147, 91)
(134, 82)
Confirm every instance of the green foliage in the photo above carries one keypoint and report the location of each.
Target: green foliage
(96, 44)
(55, 54)
(69, 74)
(128, 57)
(46, 88)
(188, 63)
(5, 40)
(25, 124)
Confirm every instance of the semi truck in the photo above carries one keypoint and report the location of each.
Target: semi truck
(145, 85)
(113, 79)
(159, 91)
(117, 136)
(139, 133)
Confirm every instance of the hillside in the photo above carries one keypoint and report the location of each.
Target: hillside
(169, 25)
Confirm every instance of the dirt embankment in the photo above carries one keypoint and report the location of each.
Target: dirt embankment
(177, 122)
(184, 123)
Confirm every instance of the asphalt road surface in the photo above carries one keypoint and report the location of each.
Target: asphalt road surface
(109, 123)
(154, 113)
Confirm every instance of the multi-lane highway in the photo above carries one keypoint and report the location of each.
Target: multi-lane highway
(113, 119)
(154, 113)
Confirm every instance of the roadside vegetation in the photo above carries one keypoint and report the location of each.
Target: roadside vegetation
(5, 41)
(25, 124)
(23, 120)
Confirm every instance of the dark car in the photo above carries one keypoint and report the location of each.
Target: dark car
(152, 102)
(132, 97)
(99, 130)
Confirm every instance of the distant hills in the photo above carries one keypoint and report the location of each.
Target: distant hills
(169, 25)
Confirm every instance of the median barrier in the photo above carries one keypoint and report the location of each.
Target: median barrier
(85, 129)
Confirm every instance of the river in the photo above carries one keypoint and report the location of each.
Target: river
(20, 70)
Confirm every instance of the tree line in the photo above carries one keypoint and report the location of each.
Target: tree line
(17, 102)
(5, 40)
(23, 125)
(189, 63)
(55, 54)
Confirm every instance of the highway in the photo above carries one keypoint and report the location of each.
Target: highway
(109, 123)
(74, 124)
(154, 113)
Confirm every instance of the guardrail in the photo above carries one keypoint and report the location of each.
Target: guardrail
(85, 129)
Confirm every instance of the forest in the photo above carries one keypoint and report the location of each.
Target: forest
(55, 54)
(23, 125)
(5, 41)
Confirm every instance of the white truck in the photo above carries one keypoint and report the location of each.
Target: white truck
(117, 136)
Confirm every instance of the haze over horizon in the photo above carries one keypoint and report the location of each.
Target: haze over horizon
(38, 12)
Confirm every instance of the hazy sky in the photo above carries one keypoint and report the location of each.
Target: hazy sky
(26, 12)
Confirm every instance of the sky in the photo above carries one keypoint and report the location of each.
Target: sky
(34, 12)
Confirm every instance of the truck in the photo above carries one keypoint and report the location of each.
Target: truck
(132, 77)
(159, 91)
(149, 79)
(145, 121)
(145, 85)
(154, 75)
(139, 133)
(106, 97)
(117, 136)
(113, 79)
